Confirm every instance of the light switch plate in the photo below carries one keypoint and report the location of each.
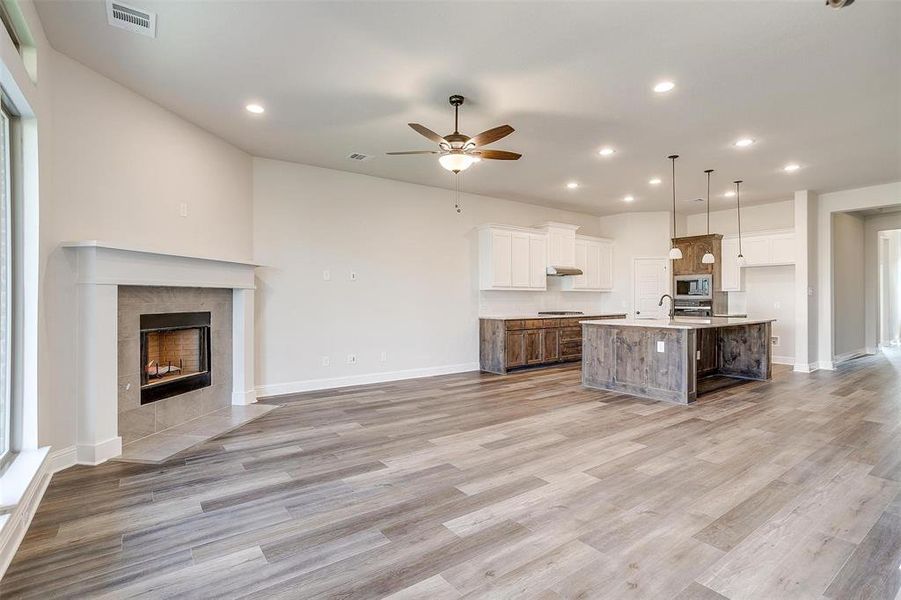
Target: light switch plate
(351, 359)
(661, 346)
(325, 361)
(326, 275)
(353, 275)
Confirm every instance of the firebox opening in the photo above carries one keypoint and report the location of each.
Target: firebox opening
(175, 354)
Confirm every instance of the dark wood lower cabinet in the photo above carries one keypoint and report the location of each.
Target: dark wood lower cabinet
(706, 351)
(506, 344)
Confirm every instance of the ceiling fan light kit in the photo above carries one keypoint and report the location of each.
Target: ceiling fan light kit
(457, 152)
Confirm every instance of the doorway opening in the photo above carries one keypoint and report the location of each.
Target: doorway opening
(889, 288)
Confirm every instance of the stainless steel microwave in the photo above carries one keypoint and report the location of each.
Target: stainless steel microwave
(694, 287)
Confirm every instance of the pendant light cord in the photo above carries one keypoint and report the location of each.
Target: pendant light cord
(673, 158)
(738, 208)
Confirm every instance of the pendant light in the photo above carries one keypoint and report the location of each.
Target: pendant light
(708, 258)
(741, 257)
(675, 253)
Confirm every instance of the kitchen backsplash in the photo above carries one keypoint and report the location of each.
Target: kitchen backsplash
(554, 298)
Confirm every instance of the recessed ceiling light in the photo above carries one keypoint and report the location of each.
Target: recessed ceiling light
(729, 194)
(664, 86)
(743, 142)
(628, 198)
(654, 181)
(255, 109)
(791, 167)
(572, 185)
(607, 151)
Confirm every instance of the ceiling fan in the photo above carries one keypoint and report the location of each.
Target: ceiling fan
(457, 151)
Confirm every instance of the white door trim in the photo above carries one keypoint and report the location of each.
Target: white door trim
(669, 279)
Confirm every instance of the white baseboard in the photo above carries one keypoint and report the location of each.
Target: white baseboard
(244, 398)
(94, 454)
(309, 385)
(784, 360)
(826, 365)
(806, 367)
(62, 458)
(12, 531)
(840, 358)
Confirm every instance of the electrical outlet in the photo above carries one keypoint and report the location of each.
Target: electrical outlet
(699, 355)
(326, 275)
(774, 340)
(384, 357)
(325, 361)
(777, 305)
(351, 359)
(661, 346)
(183, 209)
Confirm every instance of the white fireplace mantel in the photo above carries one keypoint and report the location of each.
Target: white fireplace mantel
(100, 269)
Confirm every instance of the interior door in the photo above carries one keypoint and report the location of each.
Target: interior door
(650, 277)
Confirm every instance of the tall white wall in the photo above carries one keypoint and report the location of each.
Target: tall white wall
(637, 235)
(416, 297)
(848, 281)
(761, 217)
(120, 166)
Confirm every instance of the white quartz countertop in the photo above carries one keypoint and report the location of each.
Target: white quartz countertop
(678, 322)
(537, 316)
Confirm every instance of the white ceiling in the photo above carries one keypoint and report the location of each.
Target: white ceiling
(812, 85)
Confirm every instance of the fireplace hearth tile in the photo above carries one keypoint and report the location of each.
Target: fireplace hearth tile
(162, 446)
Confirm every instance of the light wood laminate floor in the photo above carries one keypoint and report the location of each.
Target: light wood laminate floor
(481, 486)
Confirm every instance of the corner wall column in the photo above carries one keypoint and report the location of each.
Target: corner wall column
(243, 390)
(97, 429)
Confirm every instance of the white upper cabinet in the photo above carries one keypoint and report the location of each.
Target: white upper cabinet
(731, 272)
(512, 258)
(561, 239)
(594, 256)
(760, 249)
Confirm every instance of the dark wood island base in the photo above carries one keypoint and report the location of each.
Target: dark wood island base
(664, 360)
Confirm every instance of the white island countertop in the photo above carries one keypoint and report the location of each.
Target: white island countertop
(522, 317)
(678, 322)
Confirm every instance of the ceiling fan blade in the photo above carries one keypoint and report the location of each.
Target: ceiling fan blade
(497, 154)
(415, 152)
(427, 133)
(492, 135)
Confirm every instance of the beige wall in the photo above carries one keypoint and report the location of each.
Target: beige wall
(761, 217)
(848, 282)
(872, 226)
(416, 295)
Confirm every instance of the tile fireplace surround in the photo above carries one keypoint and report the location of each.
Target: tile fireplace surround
(110, 277)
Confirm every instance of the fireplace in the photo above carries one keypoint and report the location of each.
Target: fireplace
(175, 354)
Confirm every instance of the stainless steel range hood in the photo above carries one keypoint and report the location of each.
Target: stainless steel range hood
(562, 271)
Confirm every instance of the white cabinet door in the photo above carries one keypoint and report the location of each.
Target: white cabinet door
(756, 250)
(605, 266)
(580, 282)
(501, 249)
(521, 265)
(538, 261)
(731, 273)
(593, 271)
(782, 248)
(561, 247)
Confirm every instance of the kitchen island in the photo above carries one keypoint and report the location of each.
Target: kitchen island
(669, 359)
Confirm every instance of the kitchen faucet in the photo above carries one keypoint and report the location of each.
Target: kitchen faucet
(672, 305)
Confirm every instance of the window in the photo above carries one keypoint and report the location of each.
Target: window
(6, 279)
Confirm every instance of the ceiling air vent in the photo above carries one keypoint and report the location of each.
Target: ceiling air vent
(131, 18)
(358, 156)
